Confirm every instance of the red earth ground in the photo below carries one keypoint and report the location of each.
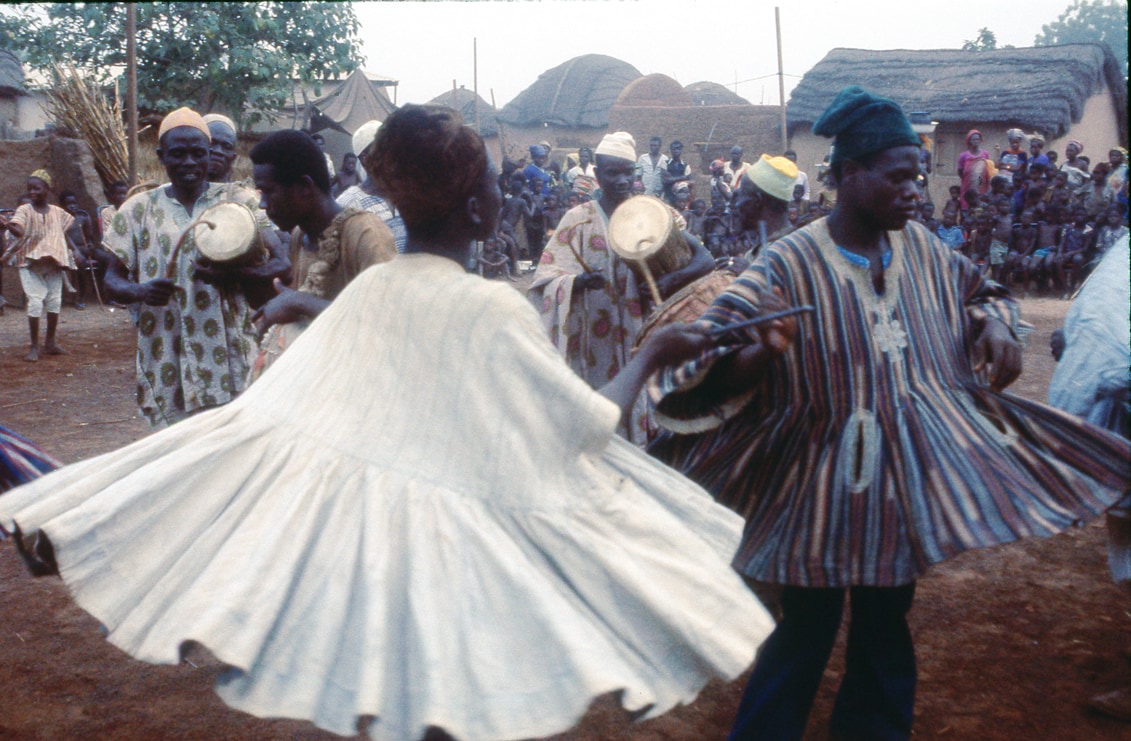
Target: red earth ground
(1011, 641)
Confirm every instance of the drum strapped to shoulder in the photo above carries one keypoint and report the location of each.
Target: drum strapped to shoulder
(643, 232)
(687, 304)
(225, 234)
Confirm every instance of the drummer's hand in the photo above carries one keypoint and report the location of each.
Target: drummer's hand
(281, 310)
(677, 342)
(156, 292)
(209, 272)
(590, 281)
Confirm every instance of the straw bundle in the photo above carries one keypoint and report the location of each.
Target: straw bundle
(80, 107)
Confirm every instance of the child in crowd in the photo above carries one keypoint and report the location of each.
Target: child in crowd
(718, 236)
(1111, 226)
(1022, 243)
(799, 201)
(973, 206)
(1059, 195)
(681, 196)
(1001, 186)
(553, 207)
(81, 235)
(517, 209)
(1072, 252)
(535, 220)
(41, 250)
(493, 261)
(1001, 237)
(1096, 199)
(927, 216)
(696, 216)
(954, 203)
(720, 182)
(978, 248)
(950, 232)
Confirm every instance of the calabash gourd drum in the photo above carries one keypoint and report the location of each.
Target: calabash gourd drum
(227, 234)
(643, 231)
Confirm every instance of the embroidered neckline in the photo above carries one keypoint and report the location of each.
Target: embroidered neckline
(862, 262)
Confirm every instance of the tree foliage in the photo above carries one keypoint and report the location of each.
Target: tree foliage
(985, 40)
(241, 59)
(1089, 22)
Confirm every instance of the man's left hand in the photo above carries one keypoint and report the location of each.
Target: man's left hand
(996, 346)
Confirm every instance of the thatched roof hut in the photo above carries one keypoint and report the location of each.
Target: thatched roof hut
(466, 102)
(576, 93)
(1041, 88)
(712, 93)
(11, 75)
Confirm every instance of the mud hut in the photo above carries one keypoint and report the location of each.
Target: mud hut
(21, 110)
(712, 93)
(469, 104)
(1075, 91)
(567, 106)
(657, 105)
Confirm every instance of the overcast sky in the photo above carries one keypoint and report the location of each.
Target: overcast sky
(426, 45)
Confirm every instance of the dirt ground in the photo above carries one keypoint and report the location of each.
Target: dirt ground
(1011, 641)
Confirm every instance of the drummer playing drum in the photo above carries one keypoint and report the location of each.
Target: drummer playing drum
(591, 302)
(195, 333)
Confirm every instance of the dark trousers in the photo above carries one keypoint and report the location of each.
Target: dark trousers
(877, 693)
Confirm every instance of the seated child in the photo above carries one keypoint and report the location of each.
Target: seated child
(1071, 253)
(493, 261)
(1023, 242)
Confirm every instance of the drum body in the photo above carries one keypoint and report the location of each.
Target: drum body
(643, 230)
(227, 234)
(687, 304)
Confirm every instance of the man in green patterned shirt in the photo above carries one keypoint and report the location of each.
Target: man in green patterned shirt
(195, 335)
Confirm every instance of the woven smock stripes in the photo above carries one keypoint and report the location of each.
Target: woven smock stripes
(870, 449)
(21, 460)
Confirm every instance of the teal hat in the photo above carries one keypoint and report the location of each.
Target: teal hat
(864, 124)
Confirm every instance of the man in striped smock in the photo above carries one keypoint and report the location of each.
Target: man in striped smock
(871, 438)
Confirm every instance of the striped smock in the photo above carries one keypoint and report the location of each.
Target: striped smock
(44, 237)
(870, 449)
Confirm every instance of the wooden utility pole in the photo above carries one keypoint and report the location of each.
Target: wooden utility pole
(781, 83)
(131, 89)
(475, 80)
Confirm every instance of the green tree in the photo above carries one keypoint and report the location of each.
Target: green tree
(985, 41)
(239, 58)
(1090, 22)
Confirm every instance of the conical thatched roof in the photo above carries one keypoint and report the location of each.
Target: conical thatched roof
(11, 74)
(466, 102)
(576, 93)
(712, 93)
(1041, 88)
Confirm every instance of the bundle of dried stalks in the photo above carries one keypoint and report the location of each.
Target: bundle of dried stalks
(83, 109)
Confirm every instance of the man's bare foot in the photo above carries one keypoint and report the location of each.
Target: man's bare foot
(32, 354)
(54, 349)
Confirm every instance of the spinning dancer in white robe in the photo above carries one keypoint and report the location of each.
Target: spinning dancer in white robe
(419, 516)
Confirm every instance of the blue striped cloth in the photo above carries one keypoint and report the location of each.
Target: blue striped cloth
(871, 449)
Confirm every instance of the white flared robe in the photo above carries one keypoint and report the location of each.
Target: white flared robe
(418, 516)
